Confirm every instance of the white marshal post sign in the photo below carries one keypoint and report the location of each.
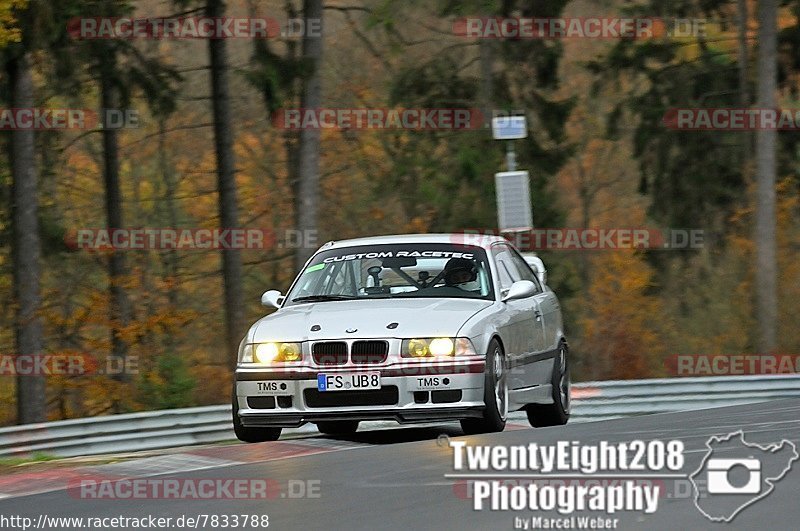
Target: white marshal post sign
(512, 187)
(513, 201)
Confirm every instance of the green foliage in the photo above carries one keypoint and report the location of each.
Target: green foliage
(9, 32)
(692, 176)
(169, 386)
(35, 457)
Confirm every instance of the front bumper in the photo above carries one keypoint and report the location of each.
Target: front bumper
(289, 397)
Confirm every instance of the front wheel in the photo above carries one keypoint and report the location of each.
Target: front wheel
(557, 413)
(251, 435)
(495, 394)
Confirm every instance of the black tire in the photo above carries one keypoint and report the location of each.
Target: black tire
(337, 427)
(252, 435)
(557, 413)
(495, 394)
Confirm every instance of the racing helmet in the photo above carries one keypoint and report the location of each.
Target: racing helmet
(459, 271)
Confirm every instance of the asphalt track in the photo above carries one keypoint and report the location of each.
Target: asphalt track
(394, 478)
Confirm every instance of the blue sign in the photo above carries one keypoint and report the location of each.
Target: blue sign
(509, 127)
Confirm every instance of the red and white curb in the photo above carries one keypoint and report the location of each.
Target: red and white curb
(204, 458)
(186, 460)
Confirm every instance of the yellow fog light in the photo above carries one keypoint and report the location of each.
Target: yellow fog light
(289, 352)
(441, 346)
(418, 348)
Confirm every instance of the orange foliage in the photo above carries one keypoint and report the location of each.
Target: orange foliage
(620, 319)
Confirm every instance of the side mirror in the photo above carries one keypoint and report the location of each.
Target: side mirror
(538, 267)
(272, 298)
(521, 289)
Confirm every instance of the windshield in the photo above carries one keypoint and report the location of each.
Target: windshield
(394, 271)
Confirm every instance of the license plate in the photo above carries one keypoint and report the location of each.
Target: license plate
(359, 381)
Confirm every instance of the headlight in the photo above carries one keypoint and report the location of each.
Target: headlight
(442, 346)
(437, 347)
(267, 353)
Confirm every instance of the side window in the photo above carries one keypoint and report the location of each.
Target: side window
(525, 271)
(506, 270)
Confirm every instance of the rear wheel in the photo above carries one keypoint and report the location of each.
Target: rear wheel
(557, 413)
(249, 434)
(337, 427)
(495, 394)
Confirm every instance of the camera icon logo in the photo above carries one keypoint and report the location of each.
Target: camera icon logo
(734, 474)
(719, 476)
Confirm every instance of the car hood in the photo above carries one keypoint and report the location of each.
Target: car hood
(369, 319)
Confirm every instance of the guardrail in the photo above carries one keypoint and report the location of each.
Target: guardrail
(155, 430)
(602, 400)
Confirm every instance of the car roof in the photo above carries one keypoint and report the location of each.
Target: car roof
(462, 238)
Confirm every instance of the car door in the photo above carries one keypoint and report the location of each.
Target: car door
(549, 307)
(524, 330)
(551, 316)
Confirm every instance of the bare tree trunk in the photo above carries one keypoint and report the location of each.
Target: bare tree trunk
(746, 155)
(120, 309)
(766, 259)
(485, 87)
(307, 199)
(742, 16)
(226, 188)
(31, 402)
(586, 196)
(291, 138)
(170, 256)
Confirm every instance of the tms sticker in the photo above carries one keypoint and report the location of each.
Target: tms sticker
(426, 383)
(272, 388)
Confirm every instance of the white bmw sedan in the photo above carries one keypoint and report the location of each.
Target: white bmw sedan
(412, 328)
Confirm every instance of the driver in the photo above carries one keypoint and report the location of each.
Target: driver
(459, 271)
